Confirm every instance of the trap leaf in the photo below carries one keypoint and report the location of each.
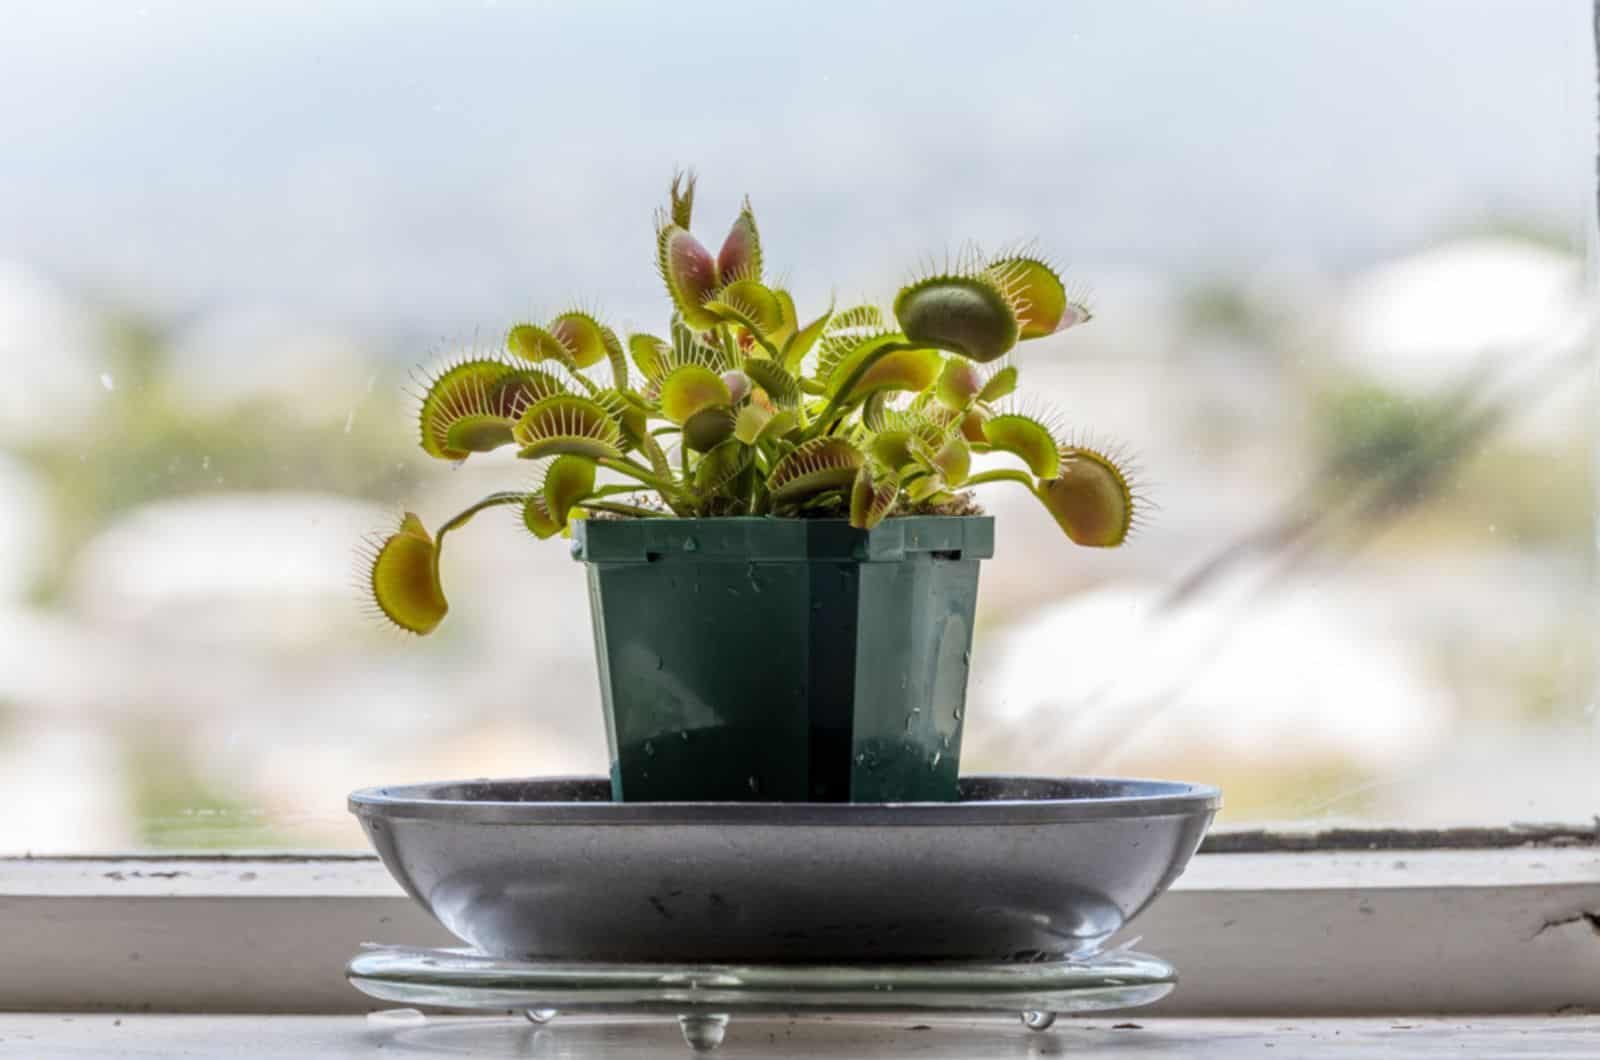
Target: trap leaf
(821, 464)
(404, 578)
(1026, 437)
(567, 423)
(691, 389)
(1036, 291)
(1089, 498)
(568, 480)
(969, 315)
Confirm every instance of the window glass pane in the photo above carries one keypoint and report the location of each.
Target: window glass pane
(1337, 256)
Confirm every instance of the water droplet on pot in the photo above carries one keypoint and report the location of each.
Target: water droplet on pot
(649, 749)
(912, 717)
(933, 763)
(109, 383)
(1038, 1021)
(683, 734)
(690, 544)
(966, 657)
(540, 1015)
(958, 713)
(755, 785)
(660, 662)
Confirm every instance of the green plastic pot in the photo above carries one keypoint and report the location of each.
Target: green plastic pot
(790, 660)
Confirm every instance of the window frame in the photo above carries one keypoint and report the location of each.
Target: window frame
(1263, 923)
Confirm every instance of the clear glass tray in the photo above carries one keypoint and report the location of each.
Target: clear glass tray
(704, 996)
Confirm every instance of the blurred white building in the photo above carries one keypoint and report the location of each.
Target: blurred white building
(1107, 677)
(55, 375)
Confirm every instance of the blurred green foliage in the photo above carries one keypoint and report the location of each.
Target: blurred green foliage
(149, 442)
(175, 807)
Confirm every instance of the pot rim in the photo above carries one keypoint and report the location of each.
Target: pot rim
(453, 801)
(780, 539)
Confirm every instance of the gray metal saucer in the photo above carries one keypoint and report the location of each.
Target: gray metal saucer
(1019, 867)
(703, 997)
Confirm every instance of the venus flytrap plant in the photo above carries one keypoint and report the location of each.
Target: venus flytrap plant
(745, 409)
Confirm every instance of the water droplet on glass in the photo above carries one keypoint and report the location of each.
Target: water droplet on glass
(205, 463)
(958, 713)
(966, 657)
(755, 785)
(861, 758)
(649, 749)
(690, 544)
(933, 763)
(107, 382)
(683, 734)
(1038, 1021)
(540, 1015)
(660, 662)
(349, 420)
(703, 1033)
(912, 717)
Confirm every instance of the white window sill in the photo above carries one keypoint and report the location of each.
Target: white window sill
(1335, 933)
(47, 1037)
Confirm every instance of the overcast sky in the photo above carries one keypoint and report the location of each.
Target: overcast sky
(433, 165)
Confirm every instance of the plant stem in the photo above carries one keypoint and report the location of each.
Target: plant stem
(662, 484)
(460, 519)
(643, 474)
(1000, 474)
(493, 500)
(583, 380)
(839, 402)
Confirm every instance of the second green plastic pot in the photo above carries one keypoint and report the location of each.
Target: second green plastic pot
(794, 660)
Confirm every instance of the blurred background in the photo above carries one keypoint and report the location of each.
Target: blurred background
(1340, 258)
